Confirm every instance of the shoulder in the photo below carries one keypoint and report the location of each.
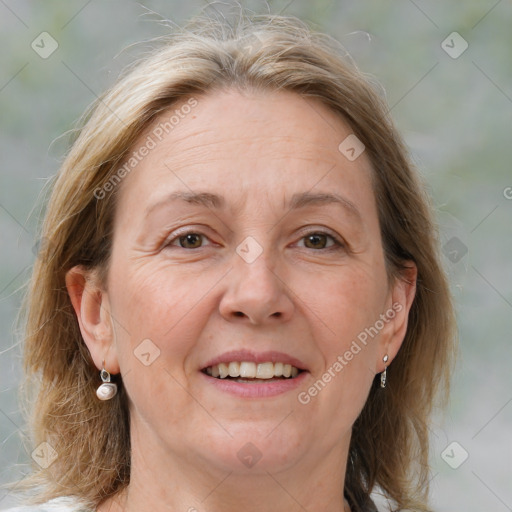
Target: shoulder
(63, 504)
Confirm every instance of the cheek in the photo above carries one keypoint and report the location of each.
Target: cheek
(350, 306)
(159, 305)
(339, 388)
(159, 317)
(351, 302)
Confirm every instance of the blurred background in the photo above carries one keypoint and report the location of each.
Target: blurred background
(447, 71)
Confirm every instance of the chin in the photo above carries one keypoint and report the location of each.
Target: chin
(265, 447)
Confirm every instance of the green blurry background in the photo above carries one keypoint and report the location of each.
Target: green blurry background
(455, 114)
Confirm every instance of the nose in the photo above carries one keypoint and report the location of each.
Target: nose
(255, 293)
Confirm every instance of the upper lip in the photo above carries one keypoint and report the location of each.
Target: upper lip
(256, 357)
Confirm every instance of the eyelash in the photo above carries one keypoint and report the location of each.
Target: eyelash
(337, 245)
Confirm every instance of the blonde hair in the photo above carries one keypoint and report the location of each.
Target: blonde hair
(390, 442)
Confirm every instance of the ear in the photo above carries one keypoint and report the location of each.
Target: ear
(91, 304)
(401, 297)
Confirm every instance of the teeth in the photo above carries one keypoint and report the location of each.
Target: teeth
(234, 369)
(223, 370)
(265, 371)
(250, 370)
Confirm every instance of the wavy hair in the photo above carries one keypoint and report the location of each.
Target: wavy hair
(389, 447)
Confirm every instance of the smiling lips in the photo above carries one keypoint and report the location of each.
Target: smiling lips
(251, 370)
(275, 371)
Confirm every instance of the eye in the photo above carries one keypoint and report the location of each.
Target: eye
(313, 240)
(318, 240)
(187, 240)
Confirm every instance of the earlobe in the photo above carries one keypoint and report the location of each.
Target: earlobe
(92, 310)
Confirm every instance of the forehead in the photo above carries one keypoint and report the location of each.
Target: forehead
(240, 144)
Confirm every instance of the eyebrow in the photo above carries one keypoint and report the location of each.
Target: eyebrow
(297, 201)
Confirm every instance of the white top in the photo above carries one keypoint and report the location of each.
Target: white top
(69, 504)
(62, 504)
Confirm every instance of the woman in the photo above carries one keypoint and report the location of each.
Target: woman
(240, 304)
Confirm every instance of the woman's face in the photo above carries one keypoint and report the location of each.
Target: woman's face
(246, 235)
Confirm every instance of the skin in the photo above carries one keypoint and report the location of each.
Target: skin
(196, 301)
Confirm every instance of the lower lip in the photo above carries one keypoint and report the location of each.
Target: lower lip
(256, 390)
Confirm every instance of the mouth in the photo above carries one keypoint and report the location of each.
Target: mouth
(249, 372)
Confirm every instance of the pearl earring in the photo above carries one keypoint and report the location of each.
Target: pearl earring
(108, 389)
(383, 375)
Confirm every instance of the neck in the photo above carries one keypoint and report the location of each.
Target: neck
(167, 482)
